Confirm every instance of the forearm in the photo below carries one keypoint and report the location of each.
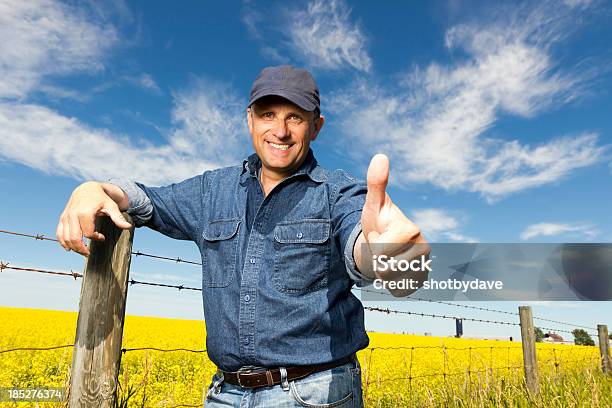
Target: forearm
(117, 195)
(358, 256)
(362, 256)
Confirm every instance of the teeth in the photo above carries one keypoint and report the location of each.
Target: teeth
(279, 146)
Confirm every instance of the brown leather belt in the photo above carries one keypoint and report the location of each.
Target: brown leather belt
(266, 378)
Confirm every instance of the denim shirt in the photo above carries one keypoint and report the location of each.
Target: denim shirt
(277, 271)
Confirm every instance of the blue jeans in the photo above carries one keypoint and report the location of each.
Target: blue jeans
(338, 387)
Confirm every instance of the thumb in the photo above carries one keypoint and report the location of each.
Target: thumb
(378, 177)
(116, 216)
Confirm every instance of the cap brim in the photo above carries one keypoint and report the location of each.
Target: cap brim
(300, 100)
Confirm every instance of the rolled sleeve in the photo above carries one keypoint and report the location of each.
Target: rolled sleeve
(139, 204)
(348, 201)
(349, 260)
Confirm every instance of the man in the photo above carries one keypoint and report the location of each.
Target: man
(280, 238)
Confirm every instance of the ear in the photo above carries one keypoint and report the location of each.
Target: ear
(318, 125)
(249, 119)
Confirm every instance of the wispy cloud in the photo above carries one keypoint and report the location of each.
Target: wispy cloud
(438, 225)
(434, 125)
(206, 135)
(556, 304)
(144, 81)
(545, 229)
(326, 37)
(209, 120)
(323, 35)
(45, 37)
(56, 93)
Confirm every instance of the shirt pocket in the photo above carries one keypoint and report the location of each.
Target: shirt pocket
(220, 248)
(301, 255)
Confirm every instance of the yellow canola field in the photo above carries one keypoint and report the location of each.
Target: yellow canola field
(397, 370)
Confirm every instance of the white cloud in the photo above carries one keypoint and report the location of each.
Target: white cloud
(209, 121)
(322, 35)
(437, 225)
(57, 92)
(578, 3)
(545, 229)
(556, 304)
(325, 37)
(144, 81)
(207, 134)
(45, 37)
(433, 124)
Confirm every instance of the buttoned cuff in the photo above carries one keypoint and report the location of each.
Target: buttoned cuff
(357, 277)
(140, 207)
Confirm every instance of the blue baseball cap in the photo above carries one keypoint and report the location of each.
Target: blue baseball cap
(294, 84)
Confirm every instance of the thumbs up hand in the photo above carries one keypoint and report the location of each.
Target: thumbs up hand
(381, 220)
(385, 228)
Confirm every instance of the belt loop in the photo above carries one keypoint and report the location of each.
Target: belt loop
(215, 389)
(284, 382)
(270, 380)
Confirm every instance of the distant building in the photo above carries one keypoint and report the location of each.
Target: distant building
(553, 338)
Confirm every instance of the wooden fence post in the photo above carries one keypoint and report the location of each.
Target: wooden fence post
(529, 349)
(97, 347)
(604, 348)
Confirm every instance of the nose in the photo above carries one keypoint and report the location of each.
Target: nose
(280, 129)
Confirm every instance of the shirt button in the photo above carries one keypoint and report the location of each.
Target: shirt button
(247, 298)
(252, 260)
(299, 235)
(246, 340)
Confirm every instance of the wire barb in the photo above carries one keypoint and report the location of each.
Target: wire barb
(41, 237)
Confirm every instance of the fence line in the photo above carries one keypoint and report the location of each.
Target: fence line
(389, 311)
(43, 237)
(486, 309)
(109, 263)
(75, 275)
(367, 357)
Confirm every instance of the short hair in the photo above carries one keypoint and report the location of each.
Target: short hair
(316, 113)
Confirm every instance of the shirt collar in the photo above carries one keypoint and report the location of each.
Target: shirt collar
(310, 167)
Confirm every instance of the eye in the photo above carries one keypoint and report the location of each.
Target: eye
(295, 117)
(267, 115)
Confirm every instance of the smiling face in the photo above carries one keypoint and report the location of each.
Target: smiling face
(281, 133)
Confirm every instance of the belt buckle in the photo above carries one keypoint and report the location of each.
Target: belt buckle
(243, 370)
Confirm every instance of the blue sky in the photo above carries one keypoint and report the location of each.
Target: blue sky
(495, 118)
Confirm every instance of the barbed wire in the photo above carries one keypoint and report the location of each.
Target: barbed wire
(41, 237)
(125, 350)
(486, 309)
(452, 317)
(558, 362)
(382, 348)
(444, 374)
(36, 348)
(6, 265)
(440, 347)
(75, 275)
